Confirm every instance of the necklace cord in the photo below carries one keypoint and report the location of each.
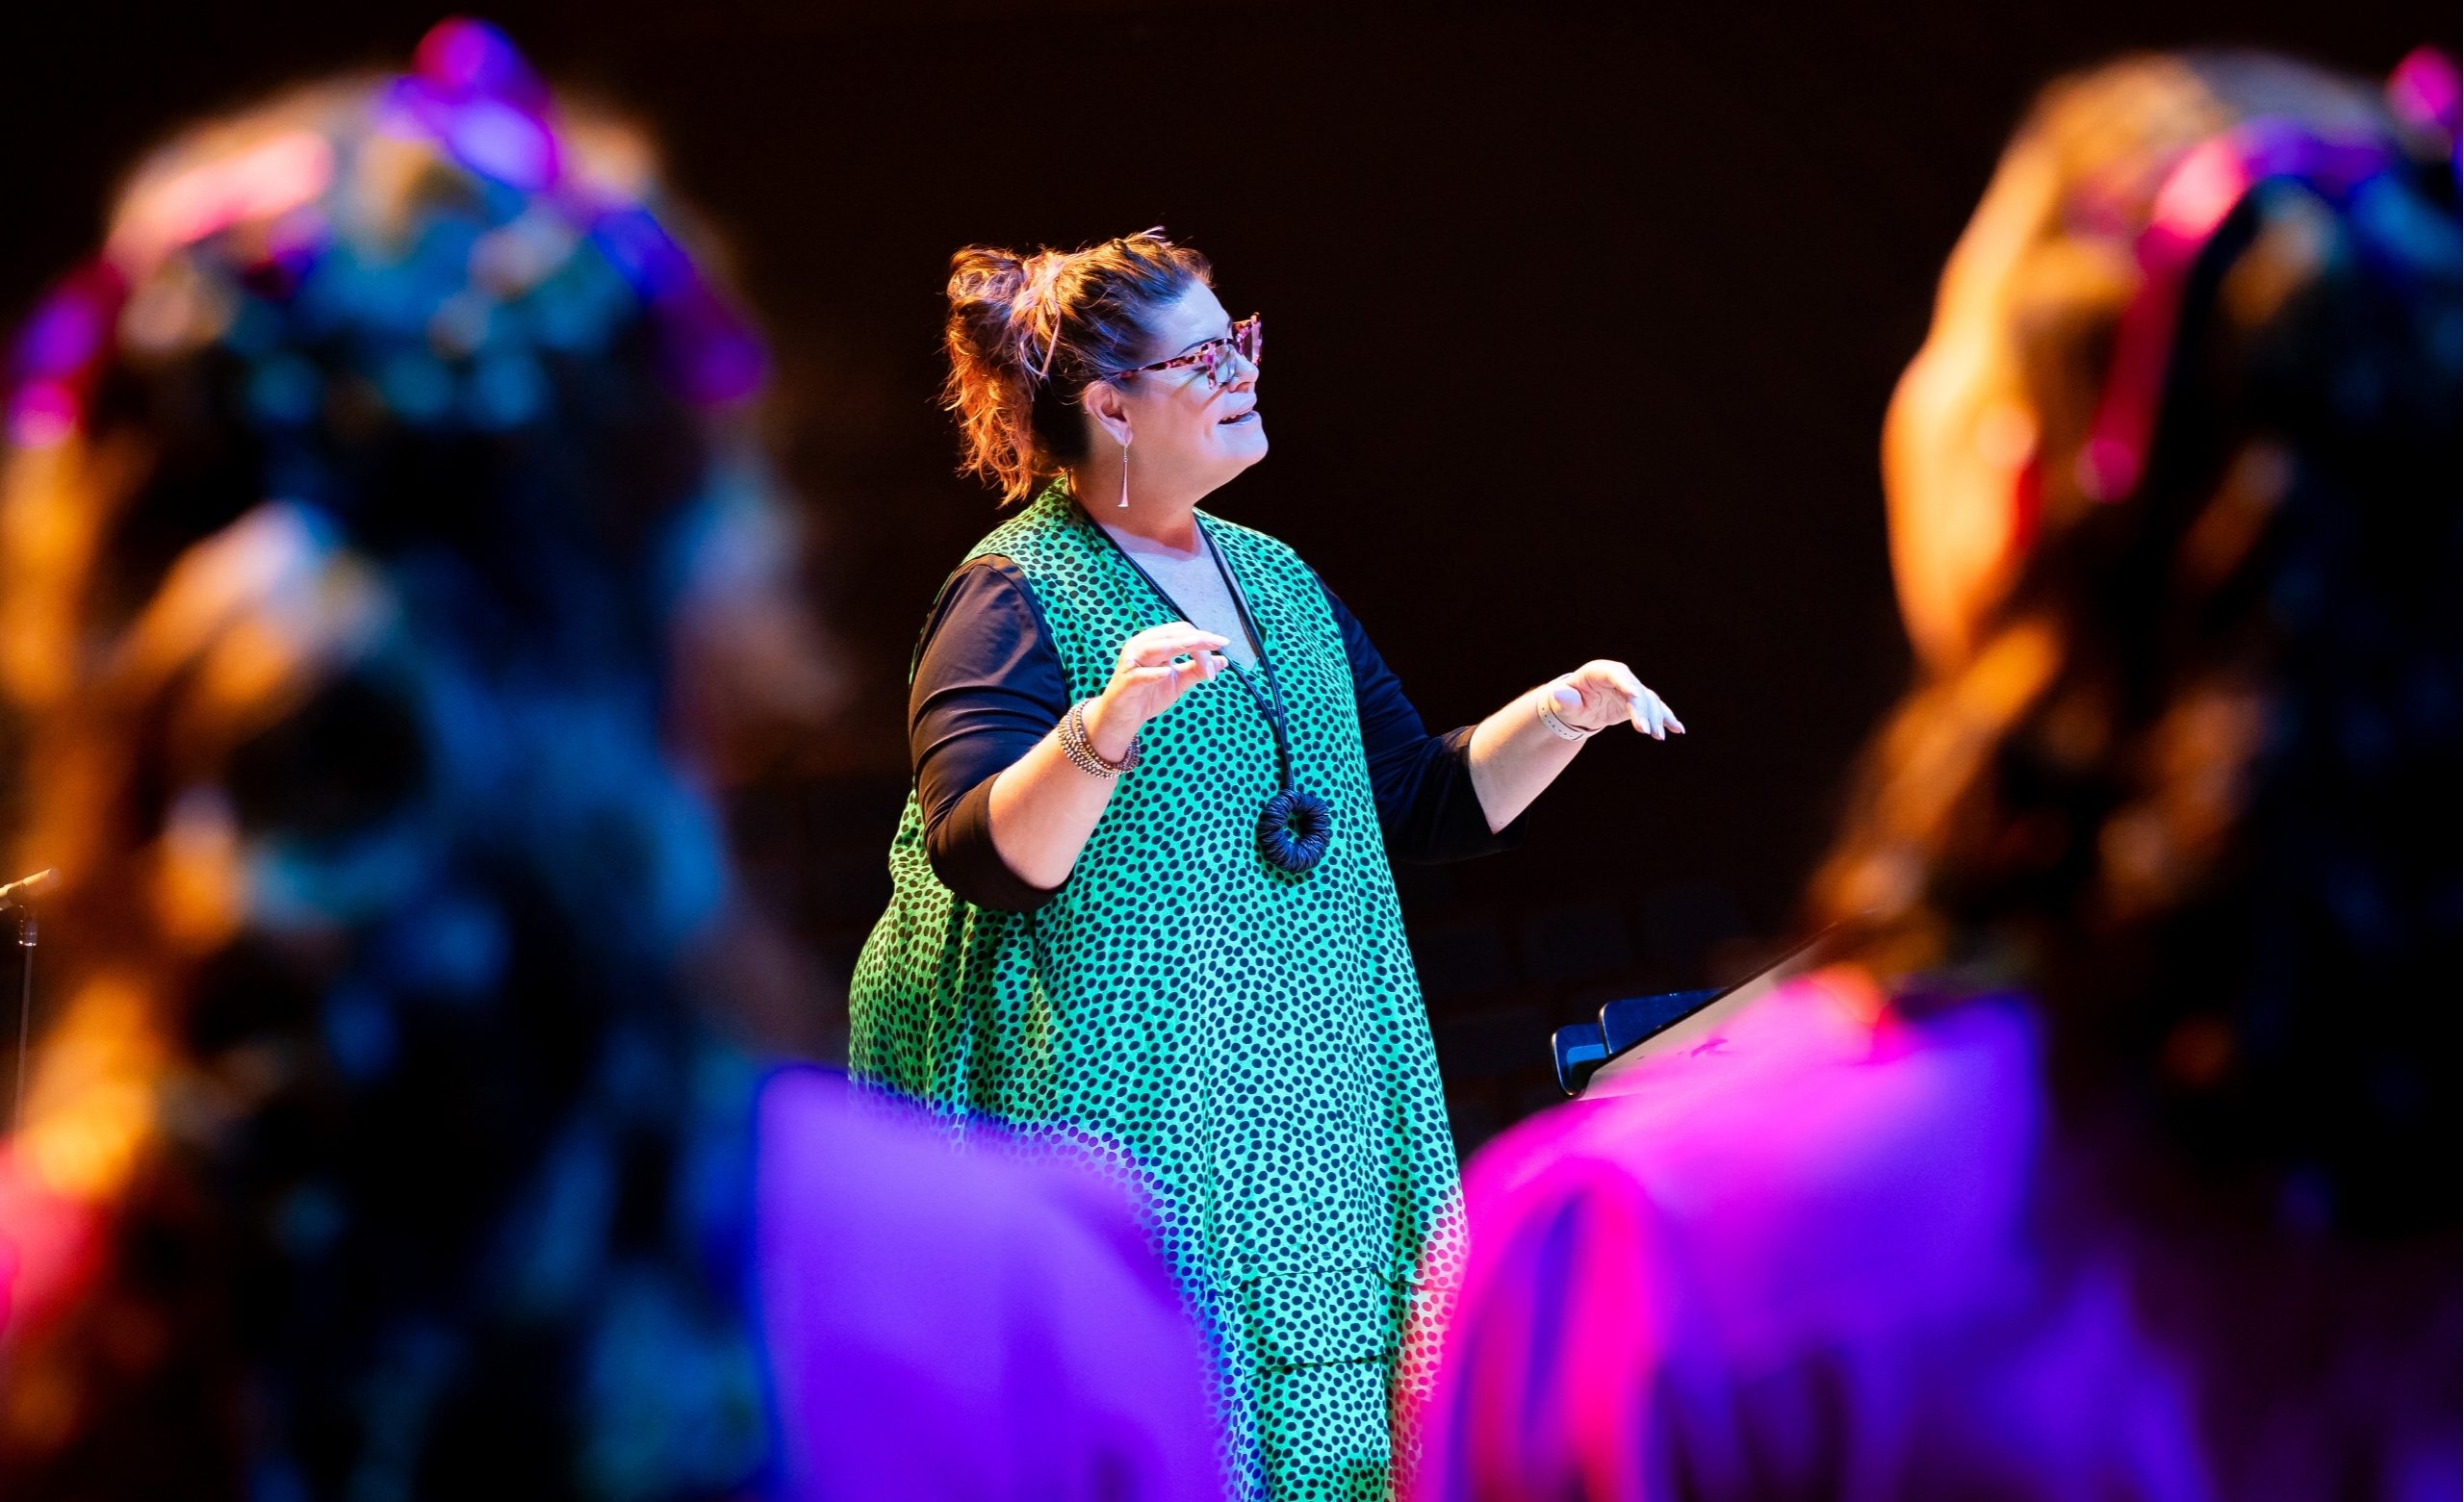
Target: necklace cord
(1270, 707)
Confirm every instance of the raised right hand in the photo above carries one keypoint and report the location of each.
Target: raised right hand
(1146, 680)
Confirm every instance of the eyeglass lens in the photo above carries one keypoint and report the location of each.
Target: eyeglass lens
(1244, 340)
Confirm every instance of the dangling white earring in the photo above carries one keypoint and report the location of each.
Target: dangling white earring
(1125, 472)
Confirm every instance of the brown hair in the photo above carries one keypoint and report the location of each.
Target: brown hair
(1028, 334)
(2194, 786)
(315, 666)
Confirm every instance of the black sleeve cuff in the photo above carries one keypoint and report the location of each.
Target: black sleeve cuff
(960, 846)
(1444, 821)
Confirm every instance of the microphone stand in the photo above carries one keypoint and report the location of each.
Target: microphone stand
(20, 895)
(25, 1008)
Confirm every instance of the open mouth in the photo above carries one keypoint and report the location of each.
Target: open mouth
(1249, 415)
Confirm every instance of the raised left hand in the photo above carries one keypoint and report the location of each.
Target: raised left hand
(1601, 693)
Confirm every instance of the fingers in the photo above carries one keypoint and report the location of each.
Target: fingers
(1652, 717)
(1615, 683)
(1649, 715)
(1166, 638)
(1168, 641)
(1157, 656)
(1164, 642)
(1156, 687)
(1168, 628)
(1177, 674)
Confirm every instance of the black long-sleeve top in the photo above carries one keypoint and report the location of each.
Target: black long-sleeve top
(989, 685)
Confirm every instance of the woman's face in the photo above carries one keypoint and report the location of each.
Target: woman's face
(1187, 434)
(1960, 436)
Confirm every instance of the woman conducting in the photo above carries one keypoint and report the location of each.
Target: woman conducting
(1142, 893)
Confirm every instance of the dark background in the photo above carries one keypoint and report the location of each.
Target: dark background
(1584, 326)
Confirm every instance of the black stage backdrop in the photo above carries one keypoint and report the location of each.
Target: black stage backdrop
(1584, 326)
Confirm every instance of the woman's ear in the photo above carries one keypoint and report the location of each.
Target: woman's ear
(1108, 409)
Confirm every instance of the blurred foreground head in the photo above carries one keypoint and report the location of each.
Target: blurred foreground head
(2174, 515)
(384, 543)
(2118, 1159)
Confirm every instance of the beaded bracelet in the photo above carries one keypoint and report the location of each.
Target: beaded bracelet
(1556, 726)
(1079, 748)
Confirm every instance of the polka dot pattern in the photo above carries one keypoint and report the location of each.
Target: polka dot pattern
(1246, 1044)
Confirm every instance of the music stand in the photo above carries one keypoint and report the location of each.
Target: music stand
(1631, 1028)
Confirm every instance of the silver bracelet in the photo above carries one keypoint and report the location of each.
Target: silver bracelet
(1079, 748)
(1549, 717)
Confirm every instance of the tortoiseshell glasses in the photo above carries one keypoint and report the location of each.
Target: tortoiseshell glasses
(1245, 341)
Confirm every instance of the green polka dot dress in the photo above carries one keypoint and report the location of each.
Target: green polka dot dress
(1249, 1042)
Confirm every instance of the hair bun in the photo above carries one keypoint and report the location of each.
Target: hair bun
(986, 274)
(992, 310)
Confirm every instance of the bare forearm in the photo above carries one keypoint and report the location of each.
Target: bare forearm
(1514, 758)
(1515, 754)
(1044, 808)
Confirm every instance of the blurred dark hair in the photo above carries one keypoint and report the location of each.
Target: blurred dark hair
(379, 513)
(1028, 334)
(2197, 784)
